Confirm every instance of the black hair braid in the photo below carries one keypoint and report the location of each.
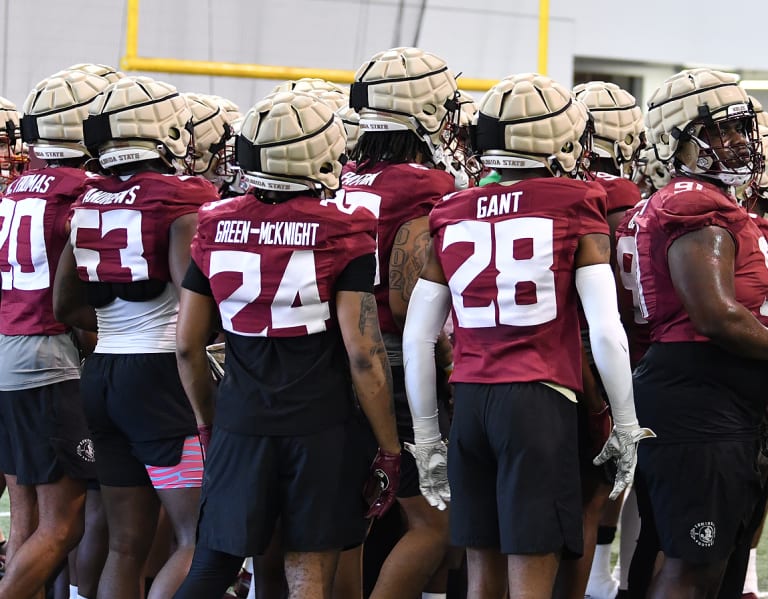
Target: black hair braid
(389, 146)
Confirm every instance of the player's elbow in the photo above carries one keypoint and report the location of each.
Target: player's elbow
(717, 323)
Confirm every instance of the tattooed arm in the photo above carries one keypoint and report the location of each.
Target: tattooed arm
(409, 253)
(371, 375)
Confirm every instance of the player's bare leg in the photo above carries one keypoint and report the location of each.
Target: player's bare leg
(60, 507)
(310, 575)
(417, 555)
(486, 574)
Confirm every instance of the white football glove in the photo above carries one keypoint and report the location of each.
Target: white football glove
(621, 447)
(432, 463)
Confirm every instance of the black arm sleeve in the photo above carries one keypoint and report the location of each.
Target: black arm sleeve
(358, 275)
(196, 281)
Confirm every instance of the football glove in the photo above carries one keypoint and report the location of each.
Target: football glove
(432, 463)
(621, 447)
(380, 489)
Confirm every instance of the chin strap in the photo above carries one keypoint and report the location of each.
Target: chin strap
(726, 178)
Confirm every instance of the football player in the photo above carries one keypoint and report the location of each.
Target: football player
(618, 127)
(46, 451)
(288, 270)
(129, 249)
(511, 259)
(406, 98)
(85, 566)
(701, 262)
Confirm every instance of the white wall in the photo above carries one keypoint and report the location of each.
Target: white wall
(482, 38)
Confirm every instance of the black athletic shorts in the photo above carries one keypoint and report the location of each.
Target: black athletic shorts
(513, 466)
(138, 414)
(699, 392)
(703, 496)
(312, 483)
(44, 435)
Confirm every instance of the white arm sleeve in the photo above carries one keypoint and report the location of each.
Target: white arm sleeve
(427, 310)
(608, 340)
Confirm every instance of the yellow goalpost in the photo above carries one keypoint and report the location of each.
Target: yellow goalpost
(131, 61)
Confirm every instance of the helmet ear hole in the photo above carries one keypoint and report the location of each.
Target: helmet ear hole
(174, 133)
(688, 153)
(326, 168)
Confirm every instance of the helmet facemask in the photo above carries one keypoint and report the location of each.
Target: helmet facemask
(454, 152)
(457, 139)
(13, 160)
(589, 155)
(208, 154)
(706, 147)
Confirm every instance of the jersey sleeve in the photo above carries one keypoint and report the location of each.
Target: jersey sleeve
(358, 275)
(688, 211)
(189, 196)
(622, 195)
(195, 280)
(429, 186)
(358, 234)
(200, 242)
(592, 211)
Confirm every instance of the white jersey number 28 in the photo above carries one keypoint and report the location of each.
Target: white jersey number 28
(494, 242)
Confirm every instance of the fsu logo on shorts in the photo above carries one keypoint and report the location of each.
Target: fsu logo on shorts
(703, 534)
(85, 450)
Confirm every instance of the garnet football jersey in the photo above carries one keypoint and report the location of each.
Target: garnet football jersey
(638, 331)
(622, 193)
(272, 267)
(401, 192)
(273, 270)
(684, 206)
(120, 228)
(33, 220)
(508, 254)
(762, 224)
